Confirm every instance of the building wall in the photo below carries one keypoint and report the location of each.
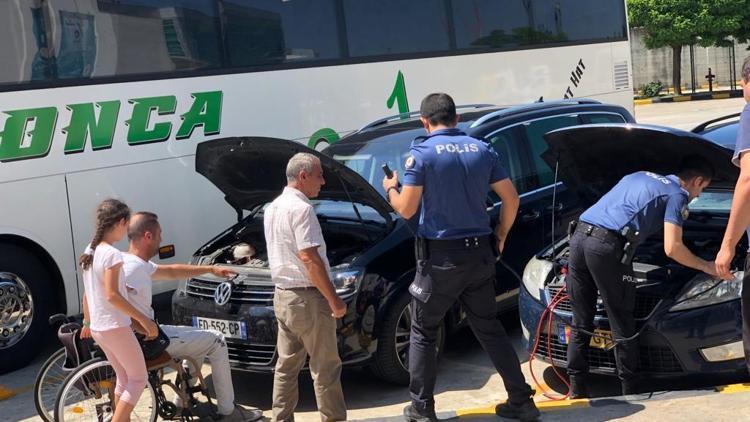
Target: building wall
(656, 65)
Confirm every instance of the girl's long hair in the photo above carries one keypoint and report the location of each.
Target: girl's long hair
(108, 214)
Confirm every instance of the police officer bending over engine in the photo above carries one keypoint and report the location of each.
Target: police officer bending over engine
(448, 173)
(601, 249)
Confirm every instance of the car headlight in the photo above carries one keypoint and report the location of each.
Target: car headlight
(535, 274)
(703, 290)
(346, 280)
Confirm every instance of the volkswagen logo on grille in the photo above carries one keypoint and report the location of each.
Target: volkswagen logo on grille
(223, 293)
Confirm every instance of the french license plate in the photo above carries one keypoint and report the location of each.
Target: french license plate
(602, 340)
(230, 329)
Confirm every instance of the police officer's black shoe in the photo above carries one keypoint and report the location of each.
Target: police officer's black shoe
(525, 412)
(412, 414)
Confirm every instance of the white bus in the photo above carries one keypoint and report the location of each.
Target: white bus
(108, 98)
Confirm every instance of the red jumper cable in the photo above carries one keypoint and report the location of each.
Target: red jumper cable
(549, 315)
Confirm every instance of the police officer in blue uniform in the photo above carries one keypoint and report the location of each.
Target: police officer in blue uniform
(449, 174)
(601, 249)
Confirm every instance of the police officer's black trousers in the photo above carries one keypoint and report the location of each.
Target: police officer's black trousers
(595, 265)
(467, 276)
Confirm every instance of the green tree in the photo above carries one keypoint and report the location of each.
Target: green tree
(675, 23)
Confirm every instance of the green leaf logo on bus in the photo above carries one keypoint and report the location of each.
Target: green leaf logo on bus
(28, 133)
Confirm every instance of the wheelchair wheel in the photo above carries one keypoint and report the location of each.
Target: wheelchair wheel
(48, 382)
(87, 394)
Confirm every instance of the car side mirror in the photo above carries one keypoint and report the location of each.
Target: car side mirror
(166, 252)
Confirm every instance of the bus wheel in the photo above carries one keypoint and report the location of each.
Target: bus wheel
(26, 302)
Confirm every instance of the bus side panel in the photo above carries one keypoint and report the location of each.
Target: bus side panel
(37, 210)
(191, 209)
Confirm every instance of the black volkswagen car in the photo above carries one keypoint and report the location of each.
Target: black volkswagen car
(690, 323)
(370, 248)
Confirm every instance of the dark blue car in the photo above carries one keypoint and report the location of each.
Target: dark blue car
(690, 322)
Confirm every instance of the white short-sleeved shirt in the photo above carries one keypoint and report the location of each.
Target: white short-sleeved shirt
(104, 316)
(290, 225)
(138, 281)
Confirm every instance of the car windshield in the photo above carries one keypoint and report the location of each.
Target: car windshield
(344, 210)
(366, 158)
(341, 210)
(712, 201)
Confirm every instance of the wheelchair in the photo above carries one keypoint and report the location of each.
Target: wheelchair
(83, 383)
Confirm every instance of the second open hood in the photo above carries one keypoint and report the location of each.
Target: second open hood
(591, 159)
(251, 171)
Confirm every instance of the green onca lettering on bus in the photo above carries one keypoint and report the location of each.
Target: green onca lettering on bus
(83, 122)
(398, 95)
(205, 111)
(138, 132)
(17, 142)
(326, 135)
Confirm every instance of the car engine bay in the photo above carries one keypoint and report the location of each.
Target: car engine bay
(245, 244)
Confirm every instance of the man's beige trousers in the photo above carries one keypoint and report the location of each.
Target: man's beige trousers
(306, 326)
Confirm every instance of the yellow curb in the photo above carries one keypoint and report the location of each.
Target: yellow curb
(680, 98)
(476, 412)
(6, 393)
(547, 405)
(562, 404)
(643, 101)
(734, 388)
(720, 96)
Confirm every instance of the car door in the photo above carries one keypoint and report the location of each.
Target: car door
(558, 204)
(514, 155)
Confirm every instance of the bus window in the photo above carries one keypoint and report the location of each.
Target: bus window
(262, 32)
(386, 27)
(519, 23)
(55, 39)
(150, 36)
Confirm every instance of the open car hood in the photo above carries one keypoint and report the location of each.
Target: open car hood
(251, 171)
(593, 158)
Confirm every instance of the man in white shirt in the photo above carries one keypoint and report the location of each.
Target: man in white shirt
(305, 301)
(144, 233)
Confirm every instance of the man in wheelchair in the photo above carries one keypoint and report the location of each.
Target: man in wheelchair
(144, 233)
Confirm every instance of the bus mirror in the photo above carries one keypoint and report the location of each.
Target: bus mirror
(166, 252)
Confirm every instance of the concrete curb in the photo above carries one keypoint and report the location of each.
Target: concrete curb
(698, 96)
(562, 405)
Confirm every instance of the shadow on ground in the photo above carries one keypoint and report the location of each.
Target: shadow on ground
(462, 355)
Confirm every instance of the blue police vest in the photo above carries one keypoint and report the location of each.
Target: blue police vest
(455, 171)
(643, 201)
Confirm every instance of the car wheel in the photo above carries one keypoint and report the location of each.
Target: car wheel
(392, 356)
(26, 302)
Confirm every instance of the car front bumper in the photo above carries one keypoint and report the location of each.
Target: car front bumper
(257, 353)
(673, 343)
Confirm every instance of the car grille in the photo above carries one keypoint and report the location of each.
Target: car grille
(243, 354)
(653, 358)
(644, 303)
(260, 294)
